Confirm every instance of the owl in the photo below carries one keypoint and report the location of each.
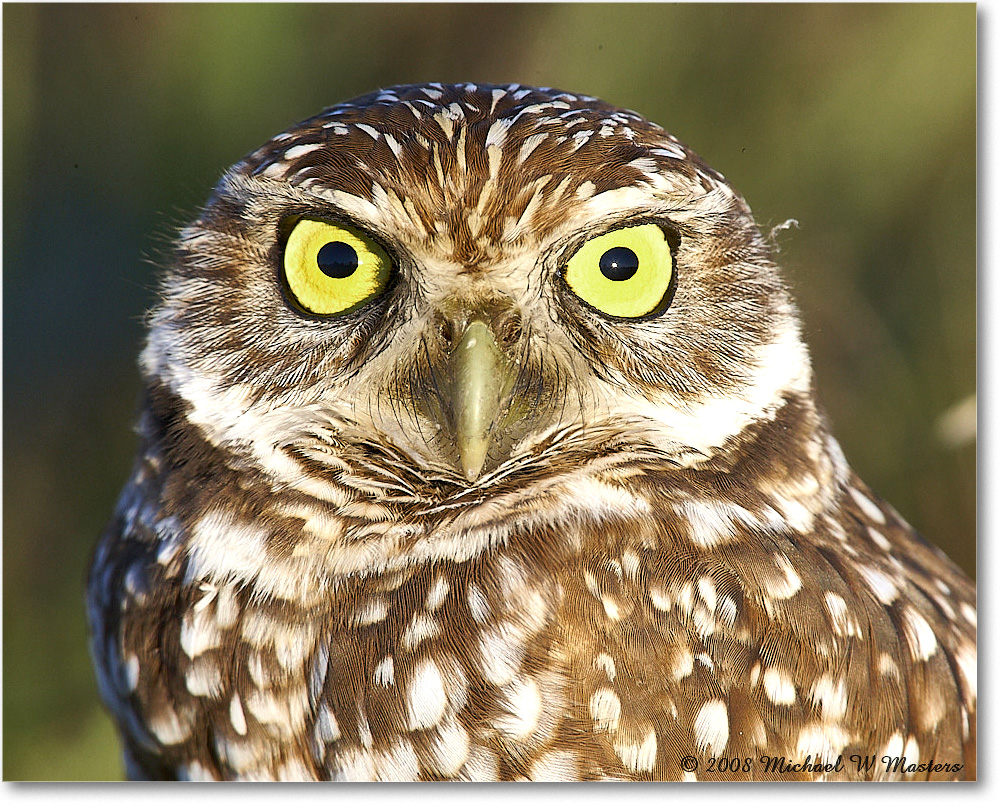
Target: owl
(479, 441)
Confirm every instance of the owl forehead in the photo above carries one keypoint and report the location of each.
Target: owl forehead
(477, 171)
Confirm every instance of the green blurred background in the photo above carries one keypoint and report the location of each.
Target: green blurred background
(858, 121)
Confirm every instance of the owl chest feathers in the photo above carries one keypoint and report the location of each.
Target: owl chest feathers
(608, 625)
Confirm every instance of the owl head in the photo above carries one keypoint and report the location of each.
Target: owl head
(435, 295)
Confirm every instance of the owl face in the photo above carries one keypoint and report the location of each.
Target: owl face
(415, 299)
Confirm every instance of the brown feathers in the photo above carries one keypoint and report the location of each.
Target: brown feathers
(662, 567)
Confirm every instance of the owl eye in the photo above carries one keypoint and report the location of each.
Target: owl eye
(333, 268)
(624, 273)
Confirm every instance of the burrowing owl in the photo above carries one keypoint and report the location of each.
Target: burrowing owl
(479, 441)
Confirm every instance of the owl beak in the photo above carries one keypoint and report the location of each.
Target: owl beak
(480, 384)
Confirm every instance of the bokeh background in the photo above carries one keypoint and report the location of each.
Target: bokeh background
(857, 121)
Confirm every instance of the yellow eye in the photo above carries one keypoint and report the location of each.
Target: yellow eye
(623, 273)
(333, 268)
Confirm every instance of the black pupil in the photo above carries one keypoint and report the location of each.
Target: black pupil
(619, 263)
(337, 260)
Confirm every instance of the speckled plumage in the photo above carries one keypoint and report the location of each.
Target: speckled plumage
(663, 556)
